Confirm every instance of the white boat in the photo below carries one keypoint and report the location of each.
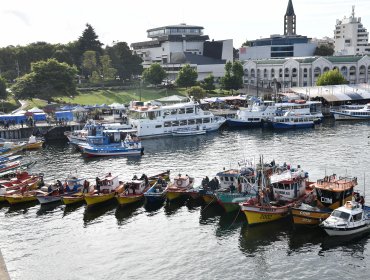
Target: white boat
(292, 120)
(188, 132)
(260, 111)
(90, 128)
(352, 112)
(349, 219)
(152, 121)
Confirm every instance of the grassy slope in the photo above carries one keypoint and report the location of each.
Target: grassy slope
(109, 97)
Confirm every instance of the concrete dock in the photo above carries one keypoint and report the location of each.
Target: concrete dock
(4, 275)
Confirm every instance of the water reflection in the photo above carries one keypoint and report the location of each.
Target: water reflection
(70, 208)
(259, 237)
(351, 245)
(22, 208)
(123, 214)
(49, 208)
(303, 237)
(94, 212)
(171, 207)
(229, 222)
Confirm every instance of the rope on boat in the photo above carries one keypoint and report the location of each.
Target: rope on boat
(237, 214)
(208, 204)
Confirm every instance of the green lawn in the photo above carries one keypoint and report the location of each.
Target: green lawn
(9, 105)
(109, 96)
(35, 103)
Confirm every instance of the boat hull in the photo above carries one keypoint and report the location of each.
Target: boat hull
(98, 198)
(48, 199)
(18, 199)
(259, 215)
(209, 198)
(34, 146)
(235, 123)
(67, 200)
(171, 195)
(155, 198)
(309, 217)
(101, 153)
(129, 199)
(278, 125)
(347, 231)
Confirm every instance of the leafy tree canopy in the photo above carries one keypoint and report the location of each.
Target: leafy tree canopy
(126, 63)
(3, 92)
(88, 41)
(332, 77)
(233, 79)
(47, 79)
(208, 83)
(155, 74)
(324, 50)
(196, 92)
(187, 76)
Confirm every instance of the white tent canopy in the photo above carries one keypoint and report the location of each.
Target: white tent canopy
(79, 109)
(117, 106)
(35, 110)
(173, 99)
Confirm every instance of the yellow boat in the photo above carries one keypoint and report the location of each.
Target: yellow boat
(74, 198)
(312, 216)
(34, 146)
(129, 199)
(93, 199)
(259, 214)
(209, 198)
(2, 198)
(179, 187)
(19, 198)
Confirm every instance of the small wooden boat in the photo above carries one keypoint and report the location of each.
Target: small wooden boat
(289, 188)
(188, 132)
(107, 191)
(73, 198)
(19, 198)
(156, 193)
(33, 143)
(137, 189)
(350, 219)
(23, 182)
(179, 187)
(4, 159)
(331, 192)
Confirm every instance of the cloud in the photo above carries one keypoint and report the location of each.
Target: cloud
(19, 15)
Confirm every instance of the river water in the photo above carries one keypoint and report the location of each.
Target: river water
(187, 240)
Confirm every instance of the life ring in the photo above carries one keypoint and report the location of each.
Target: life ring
(178, 182)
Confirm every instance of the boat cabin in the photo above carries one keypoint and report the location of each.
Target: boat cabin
(182, 181)
(135, 187)
(109, 183)
(234, 179)
(349, 212)
(289, 185)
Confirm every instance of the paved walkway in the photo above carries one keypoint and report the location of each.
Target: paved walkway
(3, 271)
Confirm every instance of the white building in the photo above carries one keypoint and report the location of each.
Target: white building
(279, 46)
(303, 72)
(174, 46)
(351, 37)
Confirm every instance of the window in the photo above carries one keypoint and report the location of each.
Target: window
(181, 111)
(167, 124)
(189, 110)
(175, 123)
(184, 122)
(190, 122)
(206, 120)
(158, 126)
(198, 121)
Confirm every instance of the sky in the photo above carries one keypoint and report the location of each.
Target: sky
(27, 21)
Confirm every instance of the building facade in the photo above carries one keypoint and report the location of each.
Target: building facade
(279, 46)
(174, 46)
(351, 37)
(302, 72)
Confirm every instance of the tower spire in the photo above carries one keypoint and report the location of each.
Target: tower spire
(290, 20)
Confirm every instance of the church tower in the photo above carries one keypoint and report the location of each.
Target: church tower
(290, 20)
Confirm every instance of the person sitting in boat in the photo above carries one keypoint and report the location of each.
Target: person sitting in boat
(86, 186)
(232, 188)
(50, 189)
(60, 187)
(127, 188)
(98, 183)
(145, 178)
(134, 178)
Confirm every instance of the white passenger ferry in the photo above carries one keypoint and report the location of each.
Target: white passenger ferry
(151, 121)
(352, 112)
(261, 111)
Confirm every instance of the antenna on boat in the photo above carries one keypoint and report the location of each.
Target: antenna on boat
(364, 185)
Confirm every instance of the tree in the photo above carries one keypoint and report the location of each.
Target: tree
(332, 77)
(246, 44)
(324, 50)
(154, 74)
(208, 83)
(47, 79)
(107, 71)
(88, 41)
(233, 79)
(89, 64)
(187, 76)
(3, 92)
(196, 92)
(126, 63)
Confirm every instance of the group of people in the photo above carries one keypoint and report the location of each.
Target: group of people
(213, 184)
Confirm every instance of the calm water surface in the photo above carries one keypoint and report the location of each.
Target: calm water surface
(187, 240)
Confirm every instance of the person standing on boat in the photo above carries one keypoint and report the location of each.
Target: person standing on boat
(98, 182)
(217, 183)
(86, 186)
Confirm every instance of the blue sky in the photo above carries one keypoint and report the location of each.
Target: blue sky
(27, 21)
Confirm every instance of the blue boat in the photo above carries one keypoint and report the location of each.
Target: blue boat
(4, 159)
(109, 143)
(291, 120)
(156, 193)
